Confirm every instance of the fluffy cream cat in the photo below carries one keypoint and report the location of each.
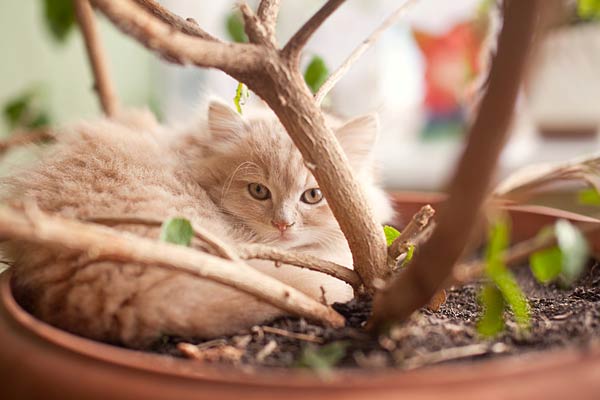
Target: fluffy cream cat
(242, 178)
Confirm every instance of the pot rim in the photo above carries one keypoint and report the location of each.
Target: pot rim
(497, 369)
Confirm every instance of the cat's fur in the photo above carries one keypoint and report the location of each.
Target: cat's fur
(134, 167)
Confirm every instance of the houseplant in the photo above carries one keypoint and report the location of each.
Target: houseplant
(266, 70)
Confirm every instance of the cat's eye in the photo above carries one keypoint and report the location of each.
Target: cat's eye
(312, 196)
(258, 191)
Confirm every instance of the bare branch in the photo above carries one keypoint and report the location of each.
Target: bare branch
(248, 251)
(267, 12)
(416, 225)
(103, 84)
(179, 47)
(18, 138)
(262, 252)
(465, 273)
(253, 26)
(183, 25)
(35, 226)
(219, 247)
(359, 51)
(294, 46)
(427, 273)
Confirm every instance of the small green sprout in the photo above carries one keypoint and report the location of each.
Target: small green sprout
(241, 95)
(316, 73)
(391, 234)
(322, 359)
(177, 231)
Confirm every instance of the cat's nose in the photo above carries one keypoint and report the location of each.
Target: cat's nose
(282, 225)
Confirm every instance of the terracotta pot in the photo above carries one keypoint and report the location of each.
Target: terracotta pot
(38, 361)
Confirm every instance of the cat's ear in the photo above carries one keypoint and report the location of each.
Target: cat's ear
(225, 125)
(357, 137)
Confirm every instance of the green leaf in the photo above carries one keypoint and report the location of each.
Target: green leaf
(23, 111)
(316, 73)
(391, 234)
(492, 320)
(409, 255)
(177, 231)
(235, 27)
(589, 197)
(324, 358)
(60, 18)
(16, 108)
(588, 10)
(500, 275)
(574, 248)
(546, 265)
(241, 95)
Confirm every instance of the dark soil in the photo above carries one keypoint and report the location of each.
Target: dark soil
(559, 317)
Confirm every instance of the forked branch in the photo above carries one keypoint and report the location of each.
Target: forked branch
(295, 45)
(267, 12)
(34, 226)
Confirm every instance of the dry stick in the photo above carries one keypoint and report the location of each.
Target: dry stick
(267, 12)
(103, 84)
(17, 139)
(259, 251)
(296, 44)
(249, 251)
(293, 335)
(425, 276)
(185, 26)
(275, 77)
(359, 51)
(98, 241)
(465, 273)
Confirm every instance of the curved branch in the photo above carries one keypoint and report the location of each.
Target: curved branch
(359, 51)
(17, 139)
(267, 12)
(294, 46)
(426, 274)
(182, 25)
(34, 226)
(179, 47)
(248, 251)
(103, 84)
(258, 251)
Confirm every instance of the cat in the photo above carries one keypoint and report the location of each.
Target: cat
(240, 177)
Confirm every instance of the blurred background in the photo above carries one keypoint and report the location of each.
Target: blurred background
(421, 77)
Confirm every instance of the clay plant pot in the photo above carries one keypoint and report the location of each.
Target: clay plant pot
(38, 361)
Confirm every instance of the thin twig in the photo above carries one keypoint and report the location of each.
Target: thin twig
(267, 12)
(359, 51)
(294, 46)
(183, 25)
(258, 251)
(33, 225)
(293, 335)
(18, 138)
(102, 82)
(469, 272)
